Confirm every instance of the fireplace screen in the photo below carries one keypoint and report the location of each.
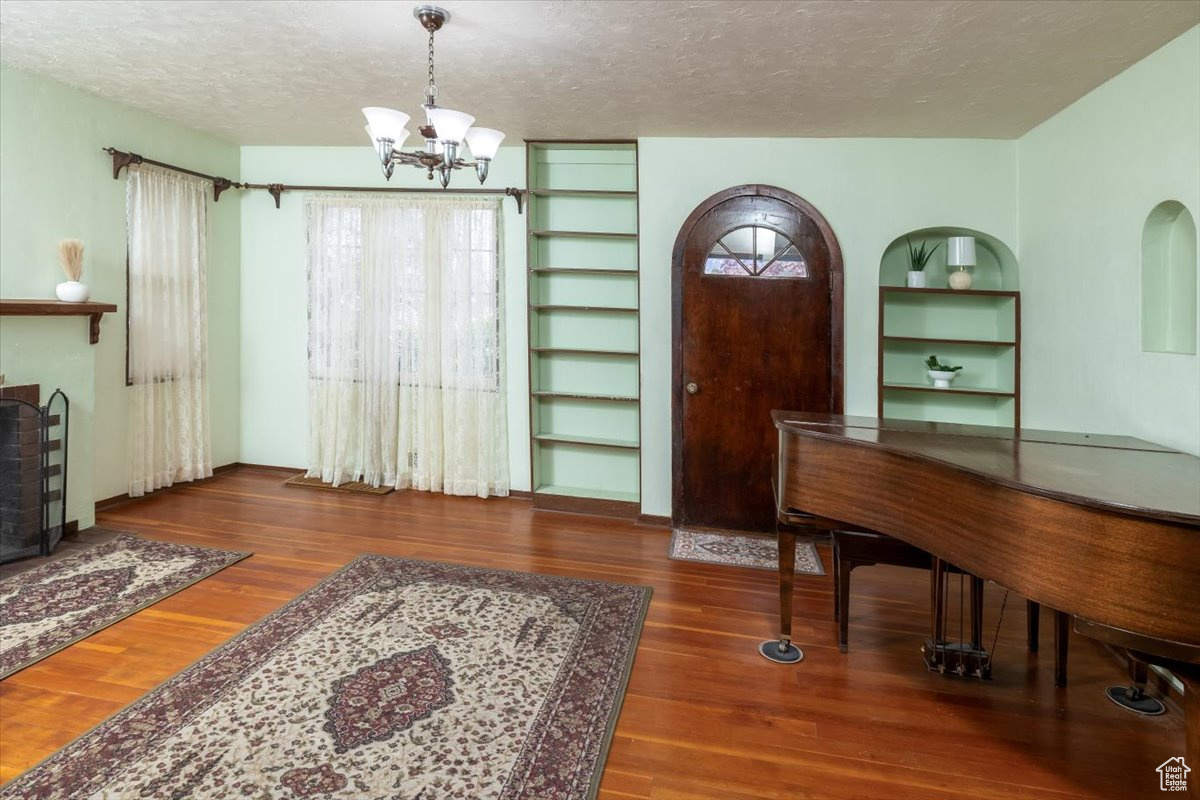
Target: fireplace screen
(33, 473)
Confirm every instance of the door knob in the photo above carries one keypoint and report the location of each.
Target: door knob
(692, 388)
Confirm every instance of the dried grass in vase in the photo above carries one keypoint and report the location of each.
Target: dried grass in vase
(70, 253)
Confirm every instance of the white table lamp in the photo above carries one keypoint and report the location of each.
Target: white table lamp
(960, 253)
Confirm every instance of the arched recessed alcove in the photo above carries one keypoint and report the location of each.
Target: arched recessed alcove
(1169, 280)
(995, 268)
(977, 331)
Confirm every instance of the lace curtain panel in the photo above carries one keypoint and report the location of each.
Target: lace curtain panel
(169, 437)
(404, 343)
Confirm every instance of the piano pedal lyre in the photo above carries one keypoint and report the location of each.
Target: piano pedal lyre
(966, 659)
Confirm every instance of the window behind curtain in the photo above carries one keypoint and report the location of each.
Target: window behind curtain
(405, 347)
(167, 361)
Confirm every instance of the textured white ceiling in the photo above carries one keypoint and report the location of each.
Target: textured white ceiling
(298, 72)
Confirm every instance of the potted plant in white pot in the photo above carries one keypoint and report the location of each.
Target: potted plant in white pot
(70, 253)
(941, 374)
(918, 258)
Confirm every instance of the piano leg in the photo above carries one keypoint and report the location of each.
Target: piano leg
(1033, 614)
(783, 651)
(983, 663)
(976, 613)
(1062, 631)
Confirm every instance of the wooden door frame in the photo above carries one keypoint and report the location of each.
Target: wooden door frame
(836, 314)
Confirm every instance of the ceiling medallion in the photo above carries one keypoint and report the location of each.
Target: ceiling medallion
(444, 130)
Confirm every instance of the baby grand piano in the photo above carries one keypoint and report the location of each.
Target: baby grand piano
(1104, 528)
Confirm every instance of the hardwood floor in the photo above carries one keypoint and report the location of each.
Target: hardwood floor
(704, 716)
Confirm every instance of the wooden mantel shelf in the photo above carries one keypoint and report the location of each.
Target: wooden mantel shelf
(57, 308)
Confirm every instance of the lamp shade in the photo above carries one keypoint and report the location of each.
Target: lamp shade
(384, 123)
(451, 125)
(397, 141)
(960, 251)
(484, 142)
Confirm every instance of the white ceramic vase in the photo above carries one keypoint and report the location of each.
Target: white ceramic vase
(916, 279)
(73, 292)
(941, 378)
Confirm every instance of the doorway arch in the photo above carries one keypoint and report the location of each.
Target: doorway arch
(757, 323)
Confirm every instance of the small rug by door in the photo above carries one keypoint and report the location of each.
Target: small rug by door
(738, 550)
(390, 679)
(44, 609)
(356, 487)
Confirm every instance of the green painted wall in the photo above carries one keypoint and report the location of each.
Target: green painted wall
(1070, 198)
(1088, 178)
(870, 190)
(55, 183)
(275, 302)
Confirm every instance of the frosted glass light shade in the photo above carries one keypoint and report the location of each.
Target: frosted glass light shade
(384, 123)
(960, 251)
(396, 145)
(451, 125)
(484, 142)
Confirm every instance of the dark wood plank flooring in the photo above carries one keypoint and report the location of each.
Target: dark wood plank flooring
(704, 717)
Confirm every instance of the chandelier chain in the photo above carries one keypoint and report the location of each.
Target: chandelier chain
(431, 58)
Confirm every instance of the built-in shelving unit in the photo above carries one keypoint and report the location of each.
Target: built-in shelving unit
(584, 368)
(977, 328)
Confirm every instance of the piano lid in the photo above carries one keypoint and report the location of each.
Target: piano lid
(1118, 473)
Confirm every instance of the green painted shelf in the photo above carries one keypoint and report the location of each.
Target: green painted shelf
(935, 340)
(559, 307)
(582, 193)
(585, 234)
(975, 390)
(582, 351)
(587, 492)
(607, 398)
(959, 292)
(587, 441)
(585, 271)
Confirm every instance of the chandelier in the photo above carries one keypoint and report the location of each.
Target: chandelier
(444, 130)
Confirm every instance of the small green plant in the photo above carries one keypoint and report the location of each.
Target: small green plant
(933, 364)
(918, 257)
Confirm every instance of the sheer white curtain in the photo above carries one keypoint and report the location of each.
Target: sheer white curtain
(168, 356)
(404, 343)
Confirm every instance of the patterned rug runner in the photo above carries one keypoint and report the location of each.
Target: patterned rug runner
(390, 679)
(760, 552)
(44, 609)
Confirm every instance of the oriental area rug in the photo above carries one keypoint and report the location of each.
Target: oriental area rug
(738, 550)
(391, 679)
(44, 609)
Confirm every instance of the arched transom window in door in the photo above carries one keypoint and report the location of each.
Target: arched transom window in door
(756, 252)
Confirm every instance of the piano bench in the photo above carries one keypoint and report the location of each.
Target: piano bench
(862, 549)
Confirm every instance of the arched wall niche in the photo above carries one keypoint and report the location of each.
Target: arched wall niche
(996, 266)
(1169, 274)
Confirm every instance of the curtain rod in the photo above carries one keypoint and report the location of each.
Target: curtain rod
(122, 159)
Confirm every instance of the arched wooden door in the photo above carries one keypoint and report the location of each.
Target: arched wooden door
(757, 305)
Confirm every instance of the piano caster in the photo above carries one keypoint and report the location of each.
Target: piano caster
(781, 651)
(1133, 698)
